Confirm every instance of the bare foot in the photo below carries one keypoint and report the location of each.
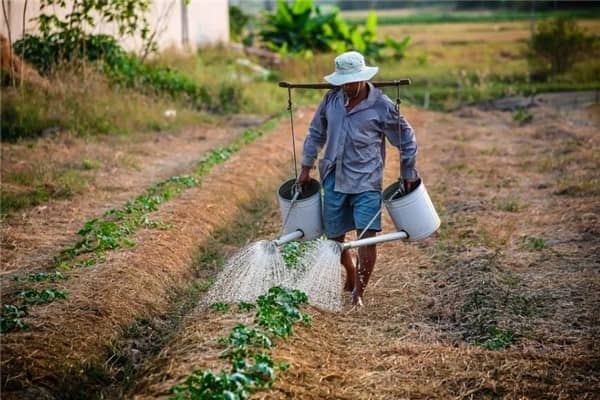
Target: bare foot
(356, 299)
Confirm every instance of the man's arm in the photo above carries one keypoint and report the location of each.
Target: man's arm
(408, 155)
(402, 135)
(314, 142)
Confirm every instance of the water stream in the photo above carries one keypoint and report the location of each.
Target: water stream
(260, 266)
(321, 275)
(249, 274)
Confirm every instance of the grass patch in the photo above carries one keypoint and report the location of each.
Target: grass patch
(578, 186)
(68, 106)
(497, 339)
(38, 183)
(483, 304)
(534, 243)
(90, 163)
(476, 17)
(522, 116)
(489, 303)
(508, 204)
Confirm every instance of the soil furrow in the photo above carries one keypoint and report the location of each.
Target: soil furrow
(32, 237)
(68, 338)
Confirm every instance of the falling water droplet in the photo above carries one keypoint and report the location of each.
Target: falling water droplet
(250, 273)
(259, 266)
(320, 275)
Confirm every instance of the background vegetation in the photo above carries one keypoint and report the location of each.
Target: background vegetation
(450, 64)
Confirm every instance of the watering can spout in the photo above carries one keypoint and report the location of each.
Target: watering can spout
(373, 240)
(290, 237)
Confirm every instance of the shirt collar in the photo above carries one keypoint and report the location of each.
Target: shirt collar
(366, 103)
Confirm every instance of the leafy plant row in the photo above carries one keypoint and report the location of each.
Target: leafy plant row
(247, 350)
(293, 251)
(110, 232)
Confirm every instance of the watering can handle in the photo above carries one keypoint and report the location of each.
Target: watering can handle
(399, 190)
(396, 82)
(296, 189)
(297, 193)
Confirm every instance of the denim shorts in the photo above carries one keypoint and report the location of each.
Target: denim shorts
(345, 212)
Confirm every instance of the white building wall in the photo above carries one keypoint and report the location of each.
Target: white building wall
(207, 23)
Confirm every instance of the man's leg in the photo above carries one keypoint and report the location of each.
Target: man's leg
(367, 256)
(338, 219)
(346, 260)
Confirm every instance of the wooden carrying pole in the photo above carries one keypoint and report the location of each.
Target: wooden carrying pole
(399, 82)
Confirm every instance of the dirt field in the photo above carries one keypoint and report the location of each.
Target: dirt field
(515, 263)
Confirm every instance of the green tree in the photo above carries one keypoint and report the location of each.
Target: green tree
(129, 16)
(559, 42)
(237, 22)
(302, 26)
(67, 36)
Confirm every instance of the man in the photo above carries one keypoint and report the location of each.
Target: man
(351, 124)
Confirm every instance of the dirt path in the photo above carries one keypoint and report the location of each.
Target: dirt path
(516, 256)
(130, 165)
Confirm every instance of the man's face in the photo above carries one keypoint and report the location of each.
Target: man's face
(352, 89)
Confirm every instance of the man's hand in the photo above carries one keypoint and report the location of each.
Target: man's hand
(409, 185)
(304, 177)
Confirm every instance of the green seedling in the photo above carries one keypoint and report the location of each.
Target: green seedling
(221, 307)
(43, 277)
(533, 243)
(522, 116)
(252, 367)
(34, 296)
(497, 339)
(12, 317)
(243, 306)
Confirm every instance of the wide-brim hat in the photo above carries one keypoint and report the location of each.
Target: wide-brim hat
(350, 67)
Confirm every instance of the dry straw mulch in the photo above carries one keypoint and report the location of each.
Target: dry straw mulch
(69, 338)
(430, 305)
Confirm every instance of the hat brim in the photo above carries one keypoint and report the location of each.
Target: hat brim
(338, 79)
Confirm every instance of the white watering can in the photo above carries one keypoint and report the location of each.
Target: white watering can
(413, 214)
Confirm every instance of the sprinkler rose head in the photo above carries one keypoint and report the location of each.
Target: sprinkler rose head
(270, 246)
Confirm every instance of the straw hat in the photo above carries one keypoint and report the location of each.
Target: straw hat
(350, 67)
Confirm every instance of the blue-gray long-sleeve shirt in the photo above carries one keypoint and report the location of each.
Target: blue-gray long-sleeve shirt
(354, 141)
